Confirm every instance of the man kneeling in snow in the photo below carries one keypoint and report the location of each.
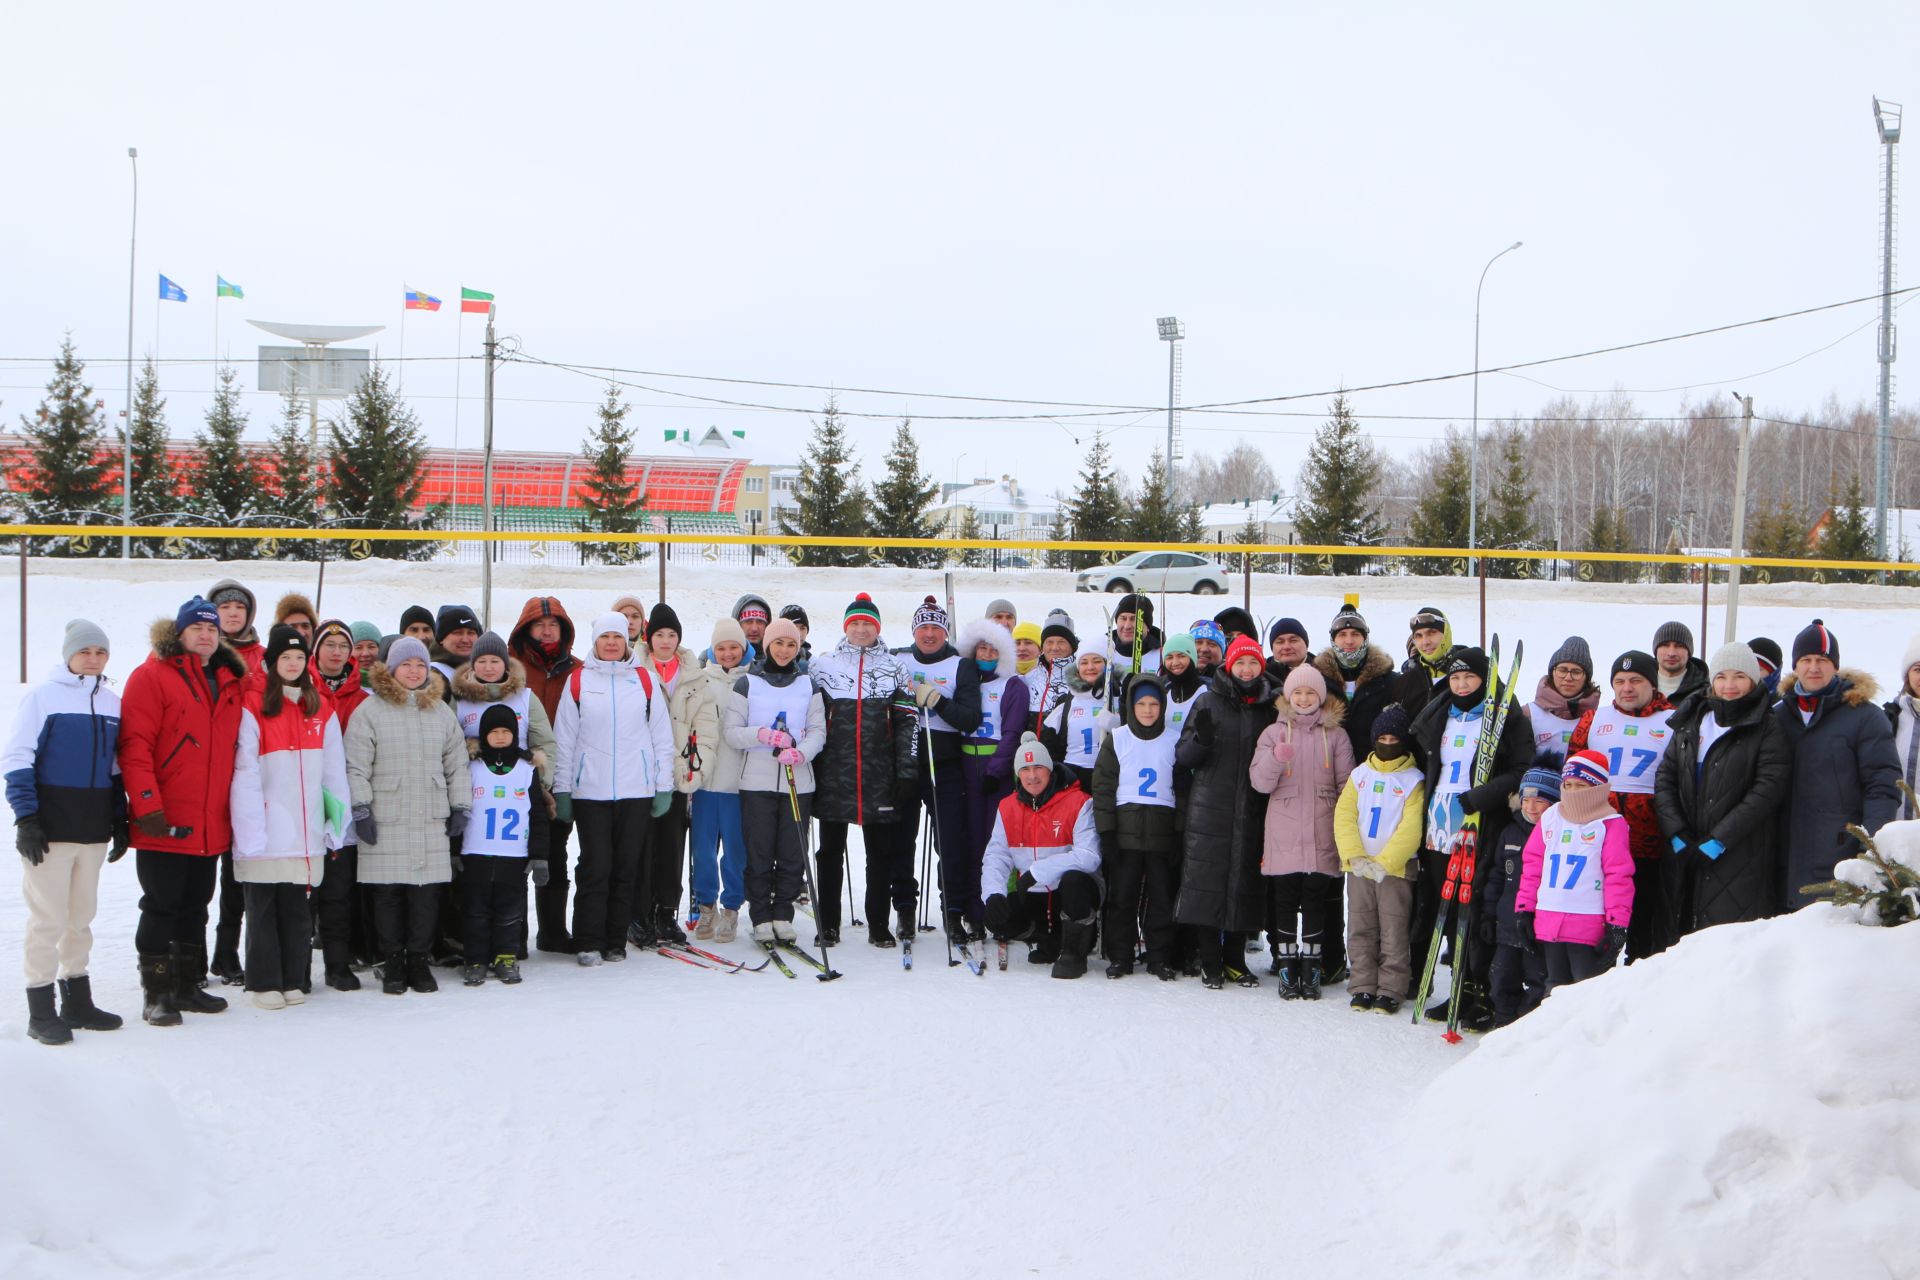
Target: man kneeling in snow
(1040, 875)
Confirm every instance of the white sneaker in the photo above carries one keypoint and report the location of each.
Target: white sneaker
(269, 1000)
(705, 930)
(727, 926)
(763, 933)
(295, 996)
(588, 959)
(783, 930)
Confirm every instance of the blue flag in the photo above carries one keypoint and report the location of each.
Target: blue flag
(171, 292)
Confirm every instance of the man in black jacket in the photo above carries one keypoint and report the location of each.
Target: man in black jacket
(946, 687)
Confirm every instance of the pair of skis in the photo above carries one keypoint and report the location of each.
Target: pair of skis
(774, 952)
(701, 958)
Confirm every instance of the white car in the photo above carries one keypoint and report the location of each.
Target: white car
(1154, 571)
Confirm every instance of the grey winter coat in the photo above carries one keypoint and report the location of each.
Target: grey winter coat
(1844, 770)
(407, 759)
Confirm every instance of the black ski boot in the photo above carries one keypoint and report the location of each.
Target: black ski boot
(1389, 1005)
(1076, 939)
(340, 977)
(1242, 977)
(1437, 1011)
(1162, 970)
(43, 1024)
(78, 1011)
(474, 975)
(1361, 1003)
(393, 974)
(1120, 969)
(1309, 973)
(1476, 1010)
(878, 936)
(1213, 977)
(1289, 971)
(420, 974)
(157, 987)
(667, 930)
(827, 934)
(190, 970)
(226, 965)
(640, 936)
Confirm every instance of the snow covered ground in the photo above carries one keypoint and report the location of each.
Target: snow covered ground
(1712, 1113)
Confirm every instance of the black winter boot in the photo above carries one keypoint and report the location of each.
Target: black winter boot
(1310, 974)
(157, 987)
(904, 924)
(393, 974)
(190, 970)
(226, 963)
(1289, 972)
(420, 975)
(1076, 939)
(43, 1024)
(78, 1011)
(667, 929)
(341, 978)
(1476, 1009)
(550, 909)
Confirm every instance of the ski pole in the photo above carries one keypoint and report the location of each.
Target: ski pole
(806, 864)
(939, 840)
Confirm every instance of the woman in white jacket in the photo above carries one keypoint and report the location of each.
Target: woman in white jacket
(777, 720)
(289, 808)
(612, 778)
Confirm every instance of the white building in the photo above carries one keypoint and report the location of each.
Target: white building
(1002, 508)
(1223, 521)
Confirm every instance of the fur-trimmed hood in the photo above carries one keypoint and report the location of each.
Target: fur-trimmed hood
(468, 688)
(385, 686)
(1856, 686)
(1378, 666)
(993, 633)
(165, 639)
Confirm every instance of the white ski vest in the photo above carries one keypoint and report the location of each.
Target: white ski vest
(469, 713)
(1632, 745)
(944, 673)
(1084, 725)
(1550, 732)
(1146, 767)
(767, 702)
(1176, 712)
(1458, 746)
(1571, 880)
(498, 823)
(1383, 800)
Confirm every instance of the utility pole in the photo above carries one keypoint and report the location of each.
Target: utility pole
(1739, 547)
(486, 481)
(126, 472)
(1886, 116)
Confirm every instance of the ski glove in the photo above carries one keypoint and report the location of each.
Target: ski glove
(1523, 925)
(1611, 946)
(662, 801)
(1025, 883)
(122, 839)
(927, 694)
(562, 807)
(778, 739)
(457, 823)
(364, 826)
(790, 756)
(30, 840)
(152, 824)
(1283, 752)
(538, 866)
(1712, 848)
(1486, 928)
(1680, 844)
(1369, 869)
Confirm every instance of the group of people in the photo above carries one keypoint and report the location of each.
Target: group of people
(1165, 798)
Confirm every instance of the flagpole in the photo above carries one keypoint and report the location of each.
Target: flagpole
(216, 333)
(403, 341)
(126, 437)
(459, 324)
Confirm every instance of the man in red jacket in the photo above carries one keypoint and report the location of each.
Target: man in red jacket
(180, 720)
(543, 641)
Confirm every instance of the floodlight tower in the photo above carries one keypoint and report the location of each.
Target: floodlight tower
(1171, 332)
(1886, 117)
(316, 338)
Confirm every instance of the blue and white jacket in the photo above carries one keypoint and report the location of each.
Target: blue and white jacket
(59, 760)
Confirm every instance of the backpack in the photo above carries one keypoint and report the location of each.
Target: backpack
(646, 683)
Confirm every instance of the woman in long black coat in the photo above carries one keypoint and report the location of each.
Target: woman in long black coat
(1721, 813)
(1220, 886)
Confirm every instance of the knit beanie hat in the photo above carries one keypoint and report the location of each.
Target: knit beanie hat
(498, 715)
(227, 591)
(1907, 662)
(727, 629)
(1059, 623)
(1347, 618)
(1242, 647)
(1428, 618)
(751, 606)
(1768, 651)
(1234, 618)
(1090, 649)
(930, 614)
(780, 629)
(1466, 657)
(796, 615)
(1028, 631)
(1541, 781)
(283, 638)
(361, 632)
(622, 603)
(1182, 643)
(1031, 754)
(490, 645)
(1816, 641)
(415, 613)
(1207, 629)
(1635, 661)
(1307, 676)
(1734, 656)
(1141, 607)
(457, 617)
(608, 624)
(331, 627)
(1145, 686)
(663, 616)
(82, 634)
(1001, 606)
(1573, 650)
(1285, 627)
(1587, 767)
(407, 648)
(1392, 722)
(1673, 633)
(862, 607)
(195, 610)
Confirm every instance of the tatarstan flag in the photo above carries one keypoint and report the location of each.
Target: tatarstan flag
(474, 300)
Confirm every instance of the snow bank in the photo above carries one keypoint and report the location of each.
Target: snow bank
(100, 1176)
(1745, 1105)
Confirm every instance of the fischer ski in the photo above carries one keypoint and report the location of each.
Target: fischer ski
(773, 954)
(684, 959)
(717, 958)
(795, 949)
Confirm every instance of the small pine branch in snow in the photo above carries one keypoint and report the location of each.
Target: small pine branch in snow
(1883, 882)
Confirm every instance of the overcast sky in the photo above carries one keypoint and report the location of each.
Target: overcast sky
(989, 200)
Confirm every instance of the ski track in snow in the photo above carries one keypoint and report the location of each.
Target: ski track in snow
(649, 1116)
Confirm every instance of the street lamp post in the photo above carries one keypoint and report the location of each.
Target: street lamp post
(1170, 333)
(1473, 480)
(126, 434)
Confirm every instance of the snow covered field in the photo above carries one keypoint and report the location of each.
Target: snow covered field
(1716, 1112)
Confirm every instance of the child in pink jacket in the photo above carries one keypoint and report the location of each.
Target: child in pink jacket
(1301, 763)
(1576, 877)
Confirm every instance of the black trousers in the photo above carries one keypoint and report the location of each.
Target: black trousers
(1036, 915)
(946, 807)
(1299, 908)
(175, 890)
(233, 908)
(613, 840)
(338, 898)
(1333, 933)
(279, 948)
(1518, 981)
(890, 879)
(666, 860)
(1215, 950)
(776, 874)
(1141, 888)
(404, 917)
(493, 906)
(1650, 927)
(550, 903)
(1569, 962)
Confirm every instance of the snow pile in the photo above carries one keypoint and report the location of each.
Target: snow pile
(1745, 1105)
(101, 1176)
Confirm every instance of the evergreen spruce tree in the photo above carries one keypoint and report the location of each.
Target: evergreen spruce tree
(1777, 532)
(900, 502)
(1154, 518)
(1849, 532)
(70, 478)
(155, 485)
(1337, 487)
(829, 498)
(1509, 525)
(1191, 530)
(1252, 535)
(292, 499)
(376, 467)
(1440, 520)
(1096, 511)
(225, 488)
(613, 503)
(972, 557)
(1058, 531)
(1608, 531)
